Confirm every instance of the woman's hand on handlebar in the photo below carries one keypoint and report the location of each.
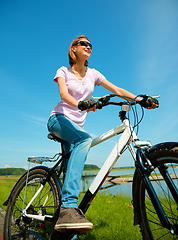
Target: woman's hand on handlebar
(150, 103)
(153, 105)
(88, 105)
(91, 109)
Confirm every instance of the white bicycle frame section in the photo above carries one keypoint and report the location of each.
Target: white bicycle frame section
(128, 136)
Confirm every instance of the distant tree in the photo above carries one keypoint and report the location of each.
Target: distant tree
(12, 171)
(88, 167)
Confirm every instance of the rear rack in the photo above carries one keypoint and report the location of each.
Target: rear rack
(40, 160)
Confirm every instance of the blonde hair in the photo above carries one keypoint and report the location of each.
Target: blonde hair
(71, 54)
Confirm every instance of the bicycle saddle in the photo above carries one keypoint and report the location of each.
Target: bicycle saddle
(53, 137)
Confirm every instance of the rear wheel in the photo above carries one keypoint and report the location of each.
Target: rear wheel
(150, 225)
(17, 226)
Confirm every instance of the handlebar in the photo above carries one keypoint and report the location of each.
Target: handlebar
(145, 102)
(105, 100)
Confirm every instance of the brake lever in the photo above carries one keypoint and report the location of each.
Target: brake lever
(103, 101)
(154, 97)
(147, 96)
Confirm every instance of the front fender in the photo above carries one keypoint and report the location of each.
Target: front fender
(163, 145)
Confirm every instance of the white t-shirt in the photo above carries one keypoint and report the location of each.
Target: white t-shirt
(79, 89)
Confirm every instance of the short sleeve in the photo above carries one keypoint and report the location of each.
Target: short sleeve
(60, 73)
(99, 77)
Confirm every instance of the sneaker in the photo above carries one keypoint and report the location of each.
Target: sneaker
(73, 219)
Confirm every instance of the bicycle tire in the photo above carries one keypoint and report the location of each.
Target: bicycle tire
(149, 222)
(18, 227)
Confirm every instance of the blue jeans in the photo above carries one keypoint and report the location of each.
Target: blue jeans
(80, 141)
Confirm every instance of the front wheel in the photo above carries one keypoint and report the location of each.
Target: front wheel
(17, 226)
(151, 228)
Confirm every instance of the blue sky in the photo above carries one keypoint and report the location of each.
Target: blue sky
(134, 46)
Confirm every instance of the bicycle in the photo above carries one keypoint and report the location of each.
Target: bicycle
(35, 199)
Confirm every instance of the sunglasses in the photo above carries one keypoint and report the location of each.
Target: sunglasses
(84, 43)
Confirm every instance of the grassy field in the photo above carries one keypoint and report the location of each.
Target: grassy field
(112, 218)
(111, 215)
(6, 185)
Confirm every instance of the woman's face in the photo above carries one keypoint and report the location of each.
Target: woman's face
(83, 49)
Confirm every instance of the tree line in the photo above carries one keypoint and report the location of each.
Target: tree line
(11, 171)
(20, 171)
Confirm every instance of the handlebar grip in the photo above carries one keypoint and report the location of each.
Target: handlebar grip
(145, 103)
(148, 102)
(99, 104)
(86, 104)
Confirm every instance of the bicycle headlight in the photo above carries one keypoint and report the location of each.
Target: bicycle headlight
(126, 107)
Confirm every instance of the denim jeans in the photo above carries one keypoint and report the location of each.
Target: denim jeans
(80, 141)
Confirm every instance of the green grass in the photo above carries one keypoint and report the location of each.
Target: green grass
(112, 218)
(111, 215)
(6, 185)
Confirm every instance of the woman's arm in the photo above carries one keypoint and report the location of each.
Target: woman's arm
(65, 96)
(119, 91)
(122, 92)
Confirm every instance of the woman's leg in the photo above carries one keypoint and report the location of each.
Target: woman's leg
(70, 217)
(74, 135)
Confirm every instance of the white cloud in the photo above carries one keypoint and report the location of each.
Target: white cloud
(35, 119)
(7, 166)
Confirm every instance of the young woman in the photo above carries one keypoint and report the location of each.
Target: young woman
(76, 84)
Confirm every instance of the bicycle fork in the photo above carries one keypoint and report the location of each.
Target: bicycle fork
(144, 173)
